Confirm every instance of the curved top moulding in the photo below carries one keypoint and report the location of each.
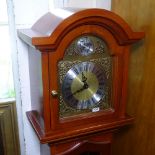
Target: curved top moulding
(46, 31)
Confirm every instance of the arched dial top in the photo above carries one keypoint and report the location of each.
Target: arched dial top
(86, 45)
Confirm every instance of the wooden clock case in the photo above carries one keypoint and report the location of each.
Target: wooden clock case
(47, 39)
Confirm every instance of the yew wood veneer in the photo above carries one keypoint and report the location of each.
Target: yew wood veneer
(47, 39)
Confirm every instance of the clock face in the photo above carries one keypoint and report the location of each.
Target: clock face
(85, 46)
(83, 86)
(85, 76)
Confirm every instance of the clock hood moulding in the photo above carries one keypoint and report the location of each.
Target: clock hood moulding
(44, 33)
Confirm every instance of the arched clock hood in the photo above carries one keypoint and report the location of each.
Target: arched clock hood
(59, 22)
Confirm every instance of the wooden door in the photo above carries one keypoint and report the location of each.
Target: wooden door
(140, 138)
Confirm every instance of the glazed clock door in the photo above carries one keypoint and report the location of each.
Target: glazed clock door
(85, 75)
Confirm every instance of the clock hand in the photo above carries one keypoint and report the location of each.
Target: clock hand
(85, 86)
(84, 79)
(78, 91)
(87, 47)
(84, 46)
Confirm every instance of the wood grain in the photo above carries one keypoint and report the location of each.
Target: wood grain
(140, 139)
(94, 144)
(118, 36)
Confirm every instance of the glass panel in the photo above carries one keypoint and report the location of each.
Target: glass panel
(85, 76)
(6, 80)
(6, 77)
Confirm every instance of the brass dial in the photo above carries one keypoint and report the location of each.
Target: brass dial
(83, 86)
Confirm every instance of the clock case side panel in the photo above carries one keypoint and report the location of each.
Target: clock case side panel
(36, 89)
(39, 116)
(117, 54)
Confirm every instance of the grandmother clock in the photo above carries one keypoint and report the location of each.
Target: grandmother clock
(78, 74)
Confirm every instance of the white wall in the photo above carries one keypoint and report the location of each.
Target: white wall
(80, 3)
(106, 4)
(23, 13)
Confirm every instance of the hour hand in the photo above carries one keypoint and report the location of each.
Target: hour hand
(85, 86)
(84, 79)
(78, 91)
